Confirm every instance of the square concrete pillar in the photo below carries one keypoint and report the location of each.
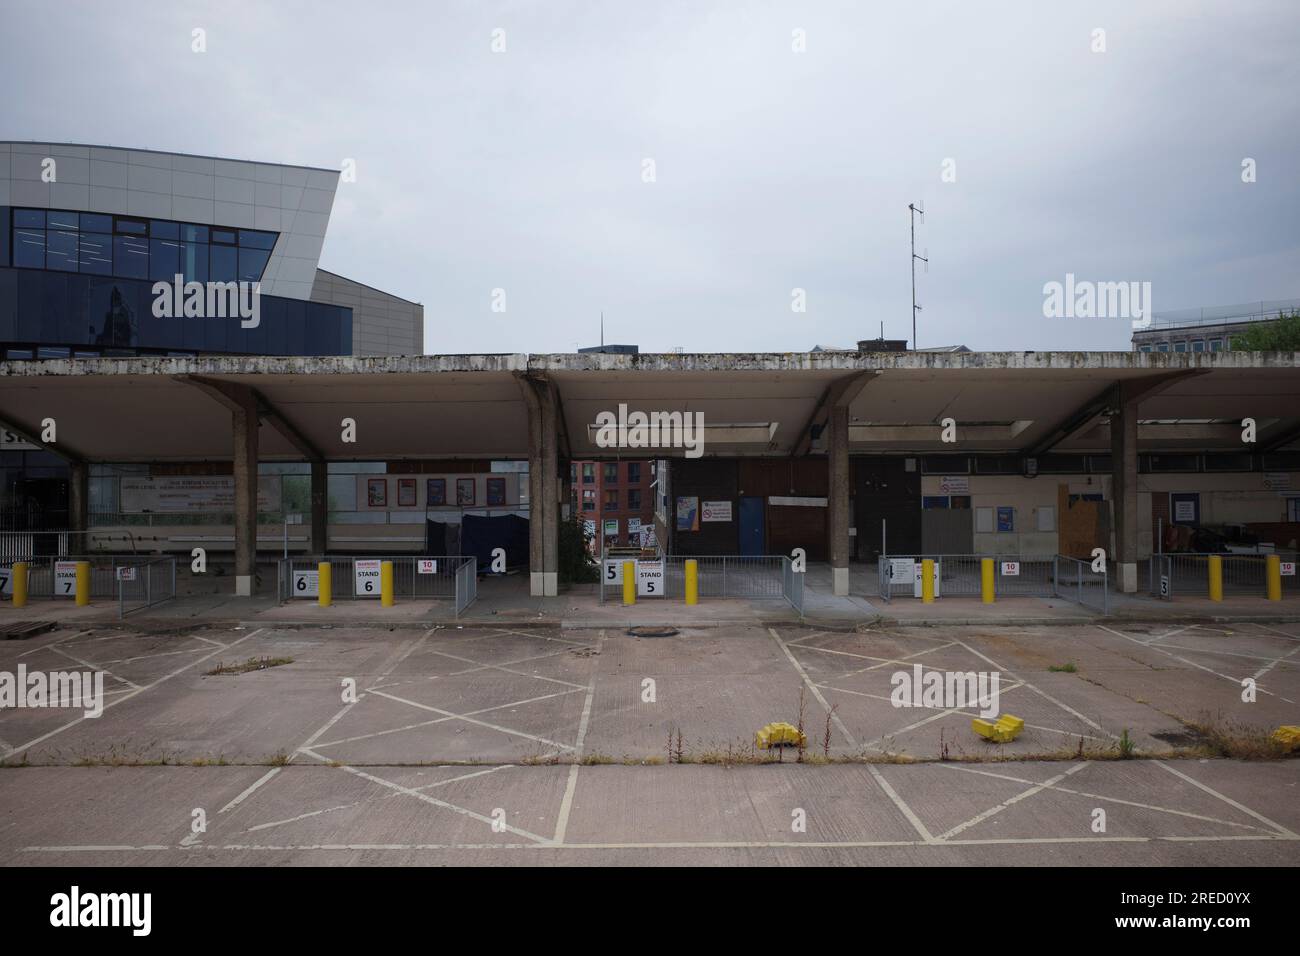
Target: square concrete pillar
(1124, 494)
(78, 507)
(319, 507)
(244, 424)
(837, 501)
(551, 491)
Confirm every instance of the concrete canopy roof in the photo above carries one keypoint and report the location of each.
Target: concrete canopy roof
(472, 406)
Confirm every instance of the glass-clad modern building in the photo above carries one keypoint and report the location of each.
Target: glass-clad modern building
(87, 231)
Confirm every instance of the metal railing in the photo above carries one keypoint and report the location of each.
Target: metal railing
(960, 575)
(26, 545)
(466, 583)
(1075, 580)
(747, 577)
(1189, 573)
(145, 583)
(452, 578)
(44, 581)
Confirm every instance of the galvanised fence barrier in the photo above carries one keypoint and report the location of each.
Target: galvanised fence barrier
(748, 577)
(961, 575)
(422, 578)
(55, 577)
(1243, 574)
(145, 584)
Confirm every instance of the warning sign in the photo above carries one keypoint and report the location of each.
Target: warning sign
(366, 574)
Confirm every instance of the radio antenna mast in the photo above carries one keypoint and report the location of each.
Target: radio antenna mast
(913, 210)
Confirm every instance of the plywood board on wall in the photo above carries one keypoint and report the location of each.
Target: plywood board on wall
(1082, 526)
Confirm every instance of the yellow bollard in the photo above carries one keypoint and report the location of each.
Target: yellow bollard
(83, 583)
(324, 585)
(1273, 575)
(629, 582)
(986, 580)
(20, 584)
(386, 583)
(927, 580)
(1215, 565)
(693, 581)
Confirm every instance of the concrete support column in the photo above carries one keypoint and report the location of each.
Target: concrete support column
(319, 507)
(550, 491)
(544, 486)
(78, 506)
(244, 425)
(837, 446)
(1124, 494)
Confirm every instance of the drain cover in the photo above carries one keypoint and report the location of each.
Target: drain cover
(21, 630)
(652, 632)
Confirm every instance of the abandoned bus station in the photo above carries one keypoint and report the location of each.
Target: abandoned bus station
(1111, 472)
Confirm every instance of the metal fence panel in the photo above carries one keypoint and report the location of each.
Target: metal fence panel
(145, 583)
(453, 578)
(1189, 573)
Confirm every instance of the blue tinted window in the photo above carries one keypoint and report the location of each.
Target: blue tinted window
(61, 251)
(164, 259)
(29, 217)
(131, 257)
(194, 261)
(164, 230)
(92, 222)
(132, 226)
(62, 220)
(257, 240)
(223, 260)
(223, 235)
(194, 233)
(96, 253)
(252, 262)
(29, 248)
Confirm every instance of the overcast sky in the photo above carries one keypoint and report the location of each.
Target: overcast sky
(524, 170)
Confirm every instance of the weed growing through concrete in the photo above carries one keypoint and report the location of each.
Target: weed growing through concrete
(1125, 745)
(826, 736)
(252, 664)
(1067, 668)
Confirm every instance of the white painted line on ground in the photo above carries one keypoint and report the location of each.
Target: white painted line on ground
(471, 720)
(1229, 801)
(799, 641)
(1161, 637)
(122, 699)
(562, 821)
(1097, 796)
(912, 818)
(386, 796)
(1178, 657)
(208, 640)
(1287, 634)
(483, 667)
(441, 720)
(149, 657)
(436, 802)
(852, 742)
(1203, 650)
(991, 811)
(95, 667)
(1065, 707)
(1275, 661)
(250, 789)
(65, 640)
(678, 845)
(900, 661)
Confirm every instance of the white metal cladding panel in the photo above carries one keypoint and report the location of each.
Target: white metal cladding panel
(293, 201)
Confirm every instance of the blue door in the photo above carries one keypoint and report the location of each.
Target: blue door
(752, 539)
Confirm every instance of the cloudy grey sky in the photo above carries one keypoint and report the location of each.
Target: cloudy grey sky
(774, 170)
